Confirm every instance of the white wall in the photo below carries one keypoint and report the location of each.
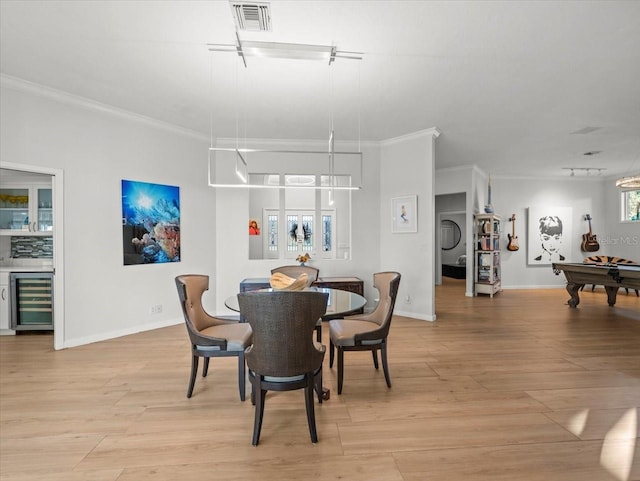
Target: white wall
(407, 168)
(96, 147)
(516, 195)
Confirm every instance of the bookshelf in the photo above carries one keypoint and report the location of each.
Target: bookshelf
(487, 275)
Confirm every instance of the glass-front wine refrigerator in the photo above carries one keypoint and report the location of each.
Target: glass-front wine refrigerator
(31, 301)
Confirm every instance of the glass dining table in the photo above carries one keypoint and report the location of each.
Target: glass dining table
(339, 303)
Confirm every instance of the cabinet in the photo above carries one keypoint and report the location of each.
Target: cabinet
(4, 303)
(487, 275)
(26, 209)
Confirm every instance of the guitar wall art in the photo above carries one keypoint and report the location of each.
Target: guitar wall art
(589, 240)
(513, 238)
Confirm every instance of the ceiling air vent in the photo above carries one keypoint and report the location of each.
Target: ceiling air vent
(252, 16)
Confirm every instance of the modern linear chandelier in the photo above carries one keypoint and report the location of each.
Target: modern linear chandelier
(231, 167)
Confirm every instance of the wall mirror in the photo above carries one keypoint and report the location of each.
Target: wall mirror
(450, 234)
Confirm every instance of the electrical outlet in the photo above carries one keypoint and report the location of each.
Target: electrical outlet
(156, 309)
(407, 300)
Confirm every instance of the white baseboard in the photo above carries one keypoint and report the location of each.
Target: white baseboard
(81, 341)
(414, 315)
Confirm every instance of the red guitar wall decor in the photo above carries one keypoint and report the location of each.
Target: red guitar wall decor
(589, 240)
(513, 238)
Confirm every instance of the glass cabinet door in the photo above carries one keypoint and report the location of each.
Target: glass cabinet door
(45, 210)
(26, 209)
(14, 208)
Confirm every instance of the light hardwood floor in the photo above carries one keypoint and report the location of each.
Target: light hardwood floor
(518, 387)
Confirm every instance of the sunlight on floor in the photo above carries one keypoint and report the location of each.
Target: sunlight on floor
(578, 422)
(619, 445)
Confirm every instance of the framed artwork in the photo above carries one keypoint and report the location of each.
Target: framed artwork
(150, 223)
(404, 214)
(550, 235)
(254, 229)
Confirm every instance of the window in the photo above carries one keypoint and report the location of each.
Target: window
(630, 206)
(299, 219)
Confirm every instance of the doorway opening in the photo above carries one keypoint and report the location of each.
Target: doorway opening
(57, 188)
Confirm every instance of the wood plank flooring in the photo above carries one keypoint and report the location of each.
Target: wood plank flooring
(518, 387)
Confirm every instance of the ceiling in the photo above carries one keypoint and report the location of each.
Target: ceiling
(518, 88)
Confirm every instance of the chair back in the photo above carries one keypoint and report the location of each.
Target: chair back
(190, 289)
(295, 271)
(283, 323)
(387, 284)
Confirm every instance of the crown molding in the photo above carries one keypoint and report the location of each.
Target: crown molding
(253, 142)
(433, 132)
(21, 85)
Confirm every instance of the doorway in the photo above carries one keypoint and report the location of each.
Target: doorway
(57, 189)
(451, 242)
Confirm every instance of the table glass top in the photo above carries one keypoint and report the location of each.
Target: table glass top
(339, 302)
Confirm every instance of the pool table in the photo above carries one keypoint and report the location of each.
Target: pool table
(611, 276)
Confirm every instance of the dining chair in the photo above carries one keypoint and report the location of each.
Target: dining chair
(312, 276)
(295, 271)
(366, 332)
(283, 355)
(210, 336)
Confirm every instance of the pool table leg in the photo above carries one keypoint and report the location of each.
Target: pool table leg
(612, 293)
(573, 289)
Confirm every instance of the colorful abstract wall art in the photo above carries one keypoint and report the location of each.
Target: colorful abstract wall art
(150, 223)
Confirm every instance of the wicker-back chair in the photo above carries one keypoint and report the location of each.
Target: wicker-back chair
(210, 336)
(284, 356)
(367, 332)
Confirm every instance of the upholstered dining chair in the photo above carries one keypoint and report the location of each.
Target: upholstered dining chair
(283, 355)
(295, 271)
(210, 336)
(609, 260)
(366, 332)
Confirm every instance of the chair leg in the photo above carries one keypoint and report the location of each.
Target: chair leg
(593, 286)
(340, 368)
(374, 353)
(331, 349)
(194, 373)
(311, 415)
(260, 399)
(385, 364)
(241, 375)
(317, 385)
(637, 295)
(205, 368)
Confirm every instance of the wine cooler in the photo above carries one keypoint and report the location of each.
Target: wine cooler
(31, 301)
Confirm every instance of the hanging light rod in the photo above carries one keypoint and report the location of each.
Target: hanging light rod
(294, 51)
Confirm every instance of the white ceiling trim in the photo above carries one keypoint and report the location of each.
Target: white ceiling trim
(433, 132)
(14, 83)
